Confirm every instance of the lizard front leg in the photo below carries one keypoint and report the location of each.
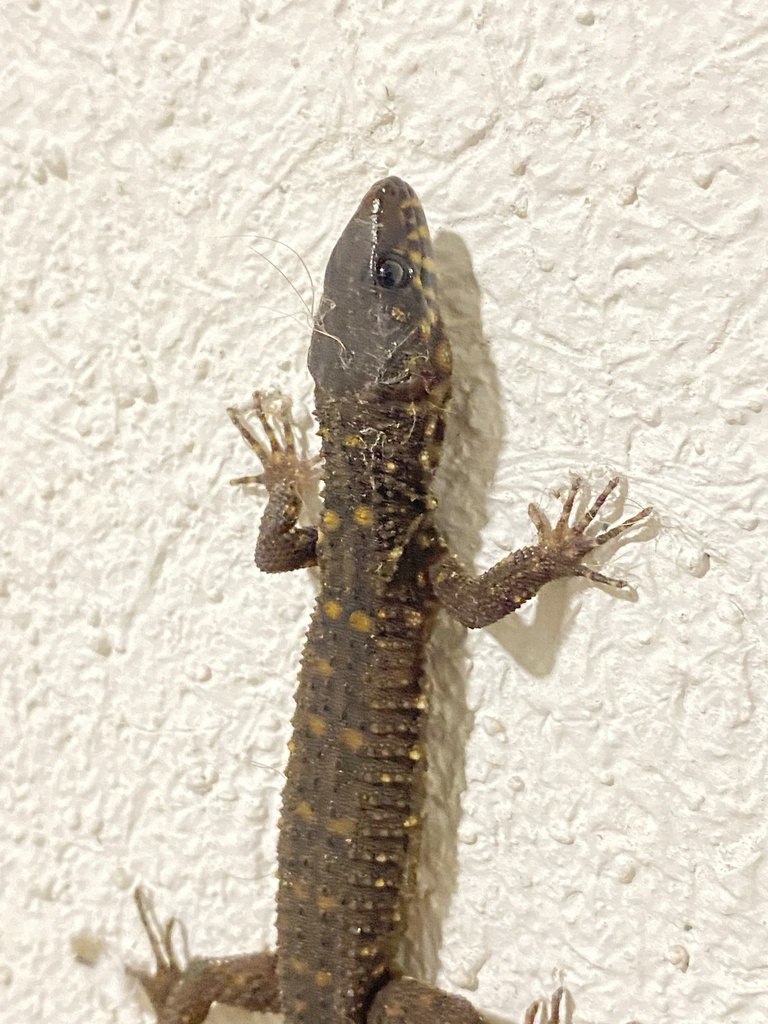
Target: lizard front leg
(183, 995)
(480, 600)
(282, 544)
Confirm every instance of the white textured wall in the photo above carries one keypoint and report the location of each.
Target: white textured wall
(595, 176)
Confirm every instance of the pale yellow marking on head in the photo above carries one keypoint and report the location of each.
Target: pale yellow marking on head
(317, 725)
(432, 315)
(415, 754)
(363, 515)
(342, 826)
(414, 236)
(353, 738)
(442, 356)
(331, 519)
(429, 293)
(361, 622)
(333, 609)
(423, 230)
(416, 282)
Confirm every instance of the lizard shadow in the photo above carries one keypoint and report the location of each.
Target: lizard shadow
(475, 437)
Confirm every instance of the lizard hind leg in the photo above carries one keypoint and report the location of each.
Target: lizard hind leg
(183, 995)
(406, 1001)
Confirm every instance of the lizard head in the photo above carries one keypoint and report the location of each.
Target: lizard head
(378, 330)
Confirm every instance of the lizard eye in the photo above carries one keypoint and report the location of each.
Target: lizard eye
(393, 271)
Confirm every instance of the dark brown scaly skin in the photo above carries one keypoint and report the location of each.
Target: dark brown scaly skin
(352, 799)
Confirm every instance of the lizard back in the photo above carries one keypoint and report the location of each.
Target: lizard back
(351, 804)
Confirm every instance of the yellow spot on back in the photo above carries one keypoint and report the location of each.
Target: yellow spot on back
(361, 622)
(323, 978)
(415, 754)
(363, 515)
(411, 822)
(399, 314)
(322, 666)
(299, 1005)
(304, 811)
(352, 738)
(333, 609)
(342, 826)
(327, 903)
(298, 965)
(300, 889)
(331, 519)
(351, 441)
(317, 725)
(385, 777)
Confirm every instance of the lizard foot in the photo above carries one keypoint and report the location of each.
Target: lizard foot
(280, 461)
(569, 542)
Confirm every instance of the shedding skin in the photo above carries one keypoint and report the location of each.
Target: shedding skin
(352, 800)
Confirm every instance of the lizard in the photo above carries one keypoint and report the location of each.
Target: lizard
(351, 810)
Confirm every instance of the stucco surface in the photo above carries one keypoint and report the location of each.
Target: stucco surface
(595, 179)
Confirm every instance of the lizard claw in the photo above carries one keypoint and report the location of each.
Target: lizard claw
(543, 1012)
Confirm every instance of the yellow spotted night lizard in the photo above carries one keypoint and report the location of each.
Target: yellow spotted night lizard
(381, 364)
